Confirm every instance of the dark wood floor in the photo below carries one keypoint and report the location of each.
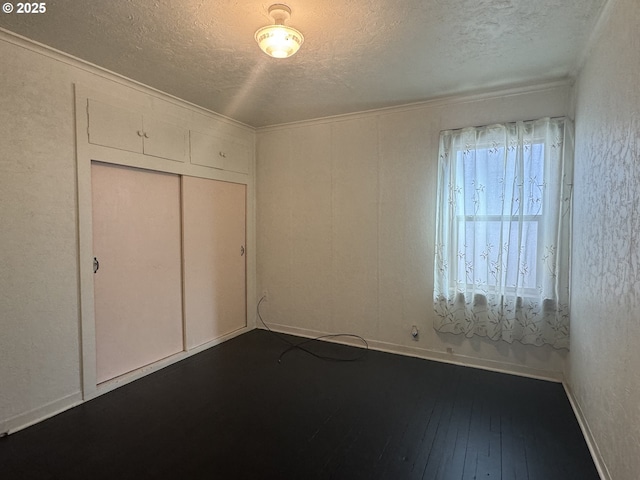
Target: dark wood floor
(234, 412)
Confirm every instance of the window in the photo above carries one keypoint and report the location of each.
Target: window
(502, 233)
(501, 207)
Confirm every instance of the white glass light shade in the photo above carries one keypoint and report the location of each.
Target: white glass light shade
(279, 41)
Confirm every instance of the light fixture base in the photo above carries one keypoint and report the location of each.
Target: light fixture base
(280, 13)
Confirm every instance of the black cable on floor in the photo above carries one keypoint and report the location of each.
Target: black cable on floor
(299, 345)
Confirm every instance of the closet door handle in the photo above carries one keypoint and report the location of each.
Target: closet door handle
(96, 265)
(241, 250)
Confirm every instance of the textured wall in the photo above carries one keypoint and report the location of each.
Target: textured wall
(40, 358)
(345, 225)
(605, 358)
(39, 339)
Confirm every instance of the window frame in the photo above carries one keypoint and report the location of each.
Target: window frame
(538, 219)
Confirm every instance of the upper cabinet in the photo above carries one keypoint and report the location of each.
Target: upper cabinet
(111, 125)
(163, 139)
(116, 127)
(225, 153)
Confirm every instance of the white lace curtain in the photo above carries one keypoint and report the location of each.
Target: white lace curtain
(503, 232)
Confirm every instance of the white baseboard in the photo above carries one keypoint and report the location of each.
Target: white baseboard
(588, 436)
(475, 363)
(24, 420)
(160, 364)
(456, 359)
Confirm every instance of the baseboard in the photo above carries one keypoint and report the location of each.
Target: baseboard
(24, 420)
(588, 436)
(426, 354)
(160, 364)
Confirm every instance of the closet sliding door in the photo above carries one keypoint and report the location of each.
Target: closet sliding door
(138, 276)
(214, 258)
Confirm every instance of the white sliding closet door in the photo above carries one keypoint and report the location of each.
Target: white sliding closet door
(138, 285)
(214, 258)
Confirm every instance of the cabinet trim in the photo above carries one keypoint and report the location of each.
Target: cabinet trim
(191, 119)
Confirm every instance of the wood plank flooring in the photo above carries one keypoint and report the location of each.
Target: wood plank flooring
(234, 412)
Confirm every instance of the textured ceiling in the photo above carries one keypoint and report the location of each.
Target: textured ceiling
(357, 55)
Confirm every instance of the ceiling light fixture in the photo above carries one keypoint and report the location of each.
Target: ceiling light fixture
(279, 41)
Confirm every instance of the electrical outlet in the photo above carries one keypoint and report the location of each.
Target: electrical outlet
(414, 332)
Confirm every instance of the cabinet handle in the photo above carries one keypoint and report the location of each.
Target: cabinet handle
(96, 265)
(141, 133)
(223, 155)
(241, 250)
(145, 135)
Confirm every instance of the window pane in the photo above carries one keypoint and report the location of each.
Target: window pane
(493, 182)
(485, 260)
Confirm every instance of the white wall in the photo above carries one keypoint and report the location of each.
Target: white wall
(40, 352)
(604, 363)
(345, 212)
(39, 340)
(345, 231)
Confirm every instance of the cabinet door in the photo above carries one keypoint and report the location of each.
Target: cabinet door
(220, 152)
(206, 150)
(115, 127)
(237, 158)
(138, 285)
(214, 258)
(165, 140)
